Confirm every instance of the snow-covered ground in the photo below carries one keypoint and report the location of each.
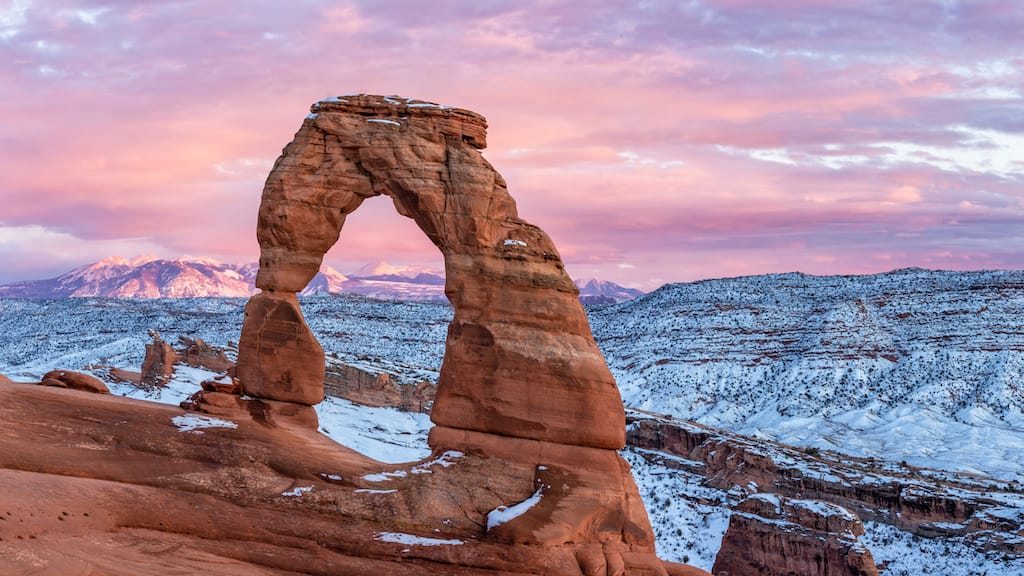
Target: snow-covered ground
(917, 366)
(900, 553)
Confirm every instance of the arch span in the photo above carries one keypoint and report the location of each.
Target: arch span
(520, 359)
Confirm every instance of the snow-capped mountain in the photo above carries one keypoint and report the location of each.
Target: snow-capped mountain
(602, 292)
(142, 277)
(152, 277)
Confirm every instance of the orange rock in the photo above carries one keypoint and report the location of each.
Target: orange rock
(199, 354)
(278, 357)
(75, 381)
(770, 534)
(158, 364)
(520, 360)
(5, 380)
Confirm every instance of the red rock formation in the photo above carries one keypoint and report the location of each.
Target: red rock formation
(524, 396)
(520, 360)
(769, 535)
(5, 380)
(158, 364)
(75, 381)
(377, 389)
(199, 354)
(952, 508)
(278, 356)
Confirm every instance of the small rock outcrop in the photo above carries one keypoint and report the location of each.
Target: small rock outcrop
(198, 354)
(377, 388)
(75, 381)
(770, 535)
(158, 364)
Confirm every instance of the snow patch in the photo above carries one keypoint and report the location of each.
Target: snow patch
(194, 423)
(444, 460)
(503, 514)
(383, 121)
(411, 540)
(297, 491)
(514, 242)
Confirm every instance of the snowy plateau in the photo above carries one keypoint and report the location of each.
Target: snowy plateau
(912, 378)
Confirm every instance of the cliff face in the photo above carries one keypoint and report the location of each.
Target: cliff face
(770, 535)
(929, 503)
(375, 388)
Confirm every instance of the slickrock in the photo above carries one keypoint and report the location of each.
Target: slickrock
(75, 381)
(5, 380)
(520, 360)
(771, 535)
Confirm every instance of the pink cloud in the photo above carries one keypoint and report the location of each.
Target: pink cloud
(679, 140)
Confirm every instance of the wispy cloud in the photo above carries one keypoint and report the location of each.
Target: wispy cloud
(689, 140)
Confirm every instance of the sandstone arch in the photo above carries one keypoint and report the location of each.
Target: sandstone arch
(520, 359)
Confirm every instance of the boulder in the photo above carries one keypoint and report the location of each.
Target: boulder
(278, 356)
(75, 381)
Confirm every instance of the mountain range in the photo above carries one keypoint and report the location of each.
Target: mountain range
(151, 277)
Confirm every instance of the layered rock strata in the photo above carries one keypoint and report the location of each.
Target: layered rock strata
(520, 360)
(770, 535)
(928, 503)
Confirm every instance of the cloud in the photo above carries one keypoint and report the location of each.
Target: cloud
(687, 139)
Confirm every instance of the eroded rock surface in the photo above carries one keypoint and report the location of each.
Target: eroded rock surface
(771, 535)
(74, 381)
(520, 360)
(158, 364)
(522, 385)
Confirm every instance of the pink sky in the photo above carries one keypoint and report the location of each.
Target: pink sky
(656, 142)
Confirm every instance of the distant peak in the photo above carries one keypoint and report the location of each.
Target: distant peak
(121, 261)
(382, 268)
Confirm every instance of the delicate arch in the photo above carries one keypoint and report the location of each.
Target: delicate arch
(520, 359)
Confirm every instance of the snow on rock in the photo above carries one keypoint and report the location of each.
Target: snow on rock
(297, 491)
(195, 423)
(445, 460)
(383, 121)
(514, 242)
(503, 514)
(412, 540)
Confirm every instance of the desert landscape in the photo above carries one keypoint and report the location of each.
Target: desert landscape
(725, 288)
